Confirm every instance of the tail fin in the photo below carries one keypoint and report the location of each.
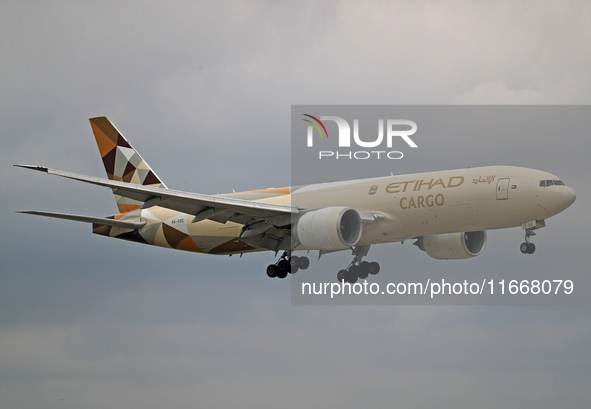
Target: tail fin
(122, 162)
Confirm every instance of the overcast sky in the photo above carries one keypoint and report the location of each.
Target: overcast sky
(204, 92)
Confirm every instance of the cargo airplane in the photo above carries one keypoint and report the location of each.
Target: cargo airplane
(446, 212)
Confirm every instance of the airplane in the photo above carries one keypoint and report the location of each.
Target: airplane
(447, 212)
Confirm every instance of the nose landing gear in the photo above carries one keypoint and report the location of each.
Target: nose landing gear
(527, 247)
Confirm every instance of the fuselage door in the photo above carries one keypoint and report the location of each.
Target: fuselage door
(503, 189)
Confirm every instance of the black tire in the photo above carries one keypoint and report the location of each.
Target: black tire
(283, 265)
(524, 247)
(352, 274)
(272, 270)
(374, 268)
(282, 274)
(342, 275)
(304, 262)
(531, 248)
(363, 270)
(294, 262)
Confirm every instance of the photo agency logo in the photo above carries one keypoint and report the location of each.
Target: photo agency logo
(389, 130)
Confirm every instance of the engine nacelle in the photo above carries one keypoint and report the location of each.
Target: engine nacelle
(453, 246)
(329, 228)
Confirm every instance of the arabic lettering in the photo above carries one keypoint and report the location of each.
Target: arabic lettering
(484, 179)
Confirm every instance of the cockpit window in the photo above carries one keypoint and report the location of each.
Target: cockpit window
(546, 183)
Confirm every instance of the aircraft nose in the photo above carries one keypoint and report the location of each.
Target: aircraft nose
(568, 196)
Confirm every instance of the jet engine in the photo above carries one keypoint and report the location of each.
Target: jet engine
(453, 246)
(329, 228)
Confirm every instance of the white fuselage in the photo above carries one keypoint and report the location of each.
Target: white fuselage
(421, 204)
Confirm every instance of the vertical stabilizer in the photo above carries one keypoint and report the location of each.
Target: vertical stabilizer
(122, 162)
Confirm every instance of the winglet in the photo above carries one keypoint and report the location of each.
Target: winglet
(33, 167)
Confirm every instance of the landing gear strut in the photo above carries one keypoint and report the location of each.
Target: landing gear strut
(527, 247)
(357, 268)
(287, 264)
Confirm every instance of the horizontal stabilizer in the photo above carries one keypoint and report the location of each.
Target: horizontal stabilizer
(88, 219)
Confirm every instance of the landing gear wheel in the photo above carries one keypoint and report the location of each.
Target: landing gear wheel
(527, 247)
(286, 265)
(352, 274)
(358, 269)
(351, 278)
(272, 270)
(363, 270)
(294, 262)
(304, 262)
(283, 265)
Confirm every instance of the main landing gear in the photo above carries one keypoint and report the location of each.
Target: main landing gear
(287, 264)
(357, 268)
(528, 247)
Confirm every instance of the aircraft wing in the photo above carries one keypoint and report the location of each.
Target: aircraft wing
(202, 206)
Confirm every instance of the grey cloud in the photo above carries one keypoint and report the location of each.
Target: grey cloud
(204, 92)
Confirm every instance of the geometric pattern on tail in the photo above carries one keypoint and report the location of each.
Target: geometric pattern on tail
(122, 162)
